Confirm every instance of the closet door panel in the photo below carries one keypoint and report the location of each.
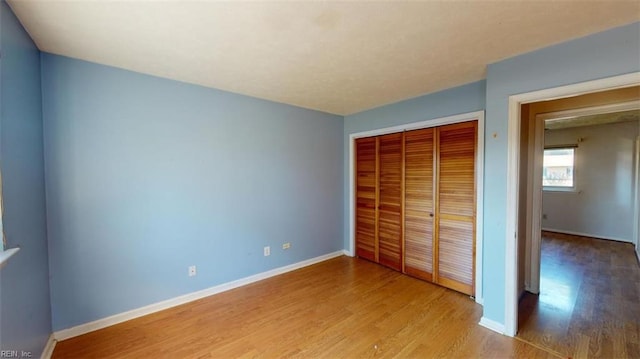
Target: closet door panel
(419, 203)
(457, 170)
(455, 269)
(366, 195)
(456, 205)
(390, 201)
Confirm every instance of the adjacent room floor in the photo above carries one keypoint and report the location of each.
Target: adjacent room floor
(589, 302)
(341, 308)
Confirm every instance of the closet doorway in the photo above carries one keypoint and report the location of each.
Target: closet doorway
(416, 199)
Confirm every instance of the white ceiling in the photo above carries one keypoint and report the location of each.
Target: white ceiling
(337, 57)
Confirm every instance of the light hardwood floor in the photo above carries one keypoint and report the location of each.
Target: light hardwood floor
(589, 302)
(341, 308)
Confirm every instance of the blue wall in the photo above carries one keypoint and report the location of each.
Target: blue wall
(601, 55)
(605, 54)
(453, 101)
(25, 315)
(146, 176)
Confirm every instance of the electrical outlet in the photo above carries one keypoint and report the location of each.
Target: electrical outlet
(286, 245)
(267, 251)
(192, 271)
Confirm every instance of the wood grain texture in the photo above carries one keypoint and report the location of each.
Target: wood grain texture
(377, 204)
(589, 302)
(456, 205)
(456, 254)
(403, 202)
(419, 203)
(366, 187)
(456, 183)
(341, 308)
(422, 187)
(390, 206)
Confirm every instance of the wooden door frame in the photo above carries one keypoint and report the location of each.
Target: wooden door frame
(636, 225)
(470, 116)
(513, 155)
(534, 195)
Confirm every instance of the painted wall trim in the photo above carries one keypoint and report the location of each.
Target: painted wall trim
(190, 297)
(470, 116)
(47, 352)
(534, 206)
(636, 207)
(492, 325)
(348, 253)
(513, 144)
(596, 236)
(480, 211)
(511, 235)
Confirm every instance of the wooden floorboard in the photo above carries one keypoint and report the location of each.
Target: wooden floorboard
(589, 302)
(341, 308)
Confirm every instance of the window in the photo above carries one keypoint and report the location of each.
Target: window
(558, 169)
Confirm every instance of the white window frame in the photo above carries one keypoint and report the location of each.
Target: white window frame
(574, 187)
(5, 253)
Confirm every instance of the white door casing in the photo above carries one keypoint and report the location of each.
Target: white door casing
(513, 154)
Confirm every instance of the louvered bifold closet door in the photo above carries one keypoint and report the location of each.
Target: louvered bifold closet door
(419, 203)
(456, 206)
(390, 201)
(366, 198)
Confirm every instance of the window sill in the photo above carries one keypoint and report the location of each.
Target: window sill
(560, 190)
(5, 255)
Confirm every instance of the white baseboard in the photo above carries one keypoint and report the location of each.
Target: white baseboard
(48, 349)
(586, 235)
(492, 324)
(169, 303)
(348, 253)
